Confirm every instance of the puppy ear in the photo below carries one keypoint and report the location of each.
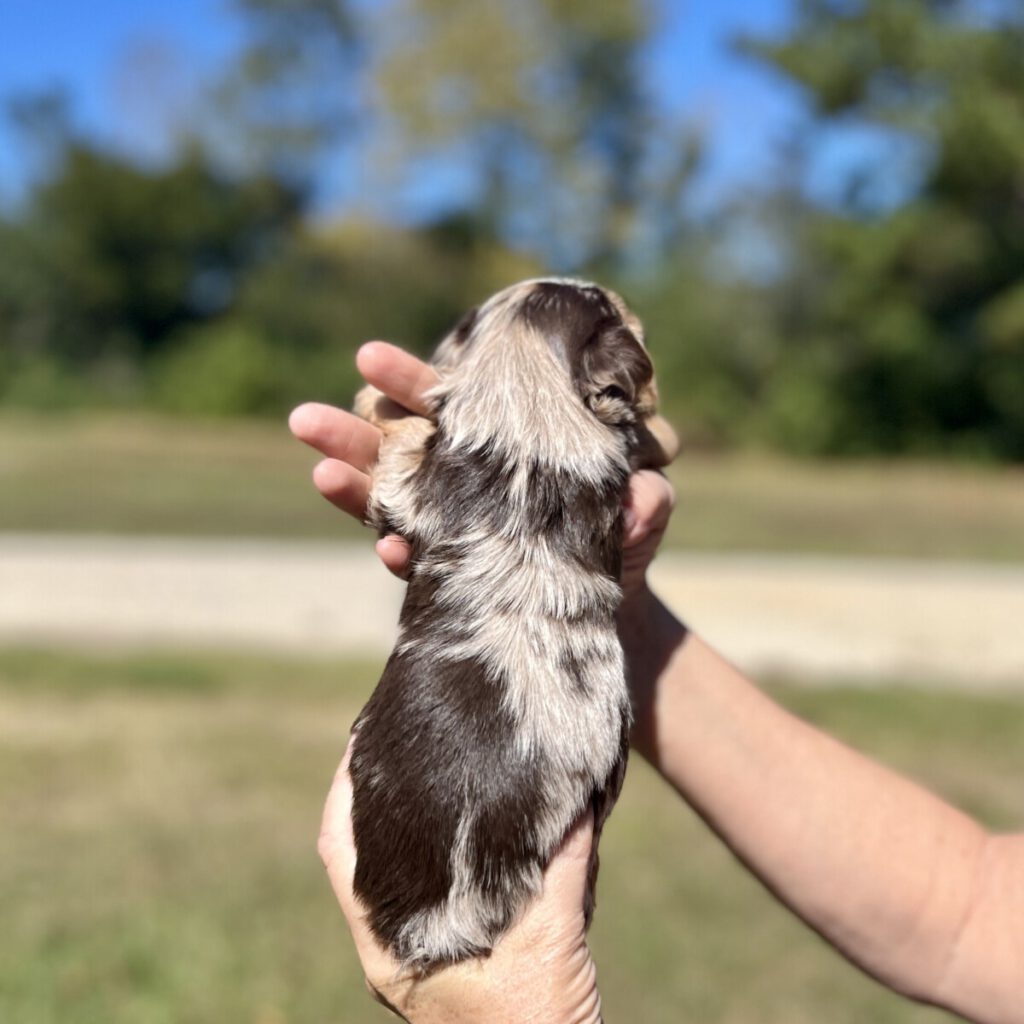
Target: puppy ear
(613, 374)
(453, 345)
(617, 385)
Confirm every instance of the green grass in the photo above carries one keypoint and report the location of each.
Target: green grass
(137, 474)
(908, 509)
(157, 476)
(158, 816)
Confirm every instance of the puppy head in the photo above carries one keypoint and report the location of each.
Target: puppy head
(597, 343)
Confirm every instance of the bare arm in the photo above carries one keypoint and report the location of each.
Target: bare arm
(901, 883)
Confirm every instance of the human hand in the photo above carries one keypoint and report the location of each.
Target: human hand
(350, 445)
(540, 970)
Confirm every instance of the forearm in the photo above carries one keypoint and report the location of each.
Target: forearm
(886, 871)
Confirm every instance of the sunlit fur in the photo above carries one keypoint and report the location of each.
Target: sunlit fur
(503, 712)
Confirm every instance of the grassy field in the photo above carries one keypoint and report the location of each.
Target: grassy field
(147, 475)
(158, 817)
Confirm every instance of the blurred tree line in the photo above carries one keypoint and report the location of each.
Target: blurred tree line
(887, 316)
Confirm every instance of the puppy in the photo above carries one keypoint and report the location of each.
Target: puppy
(502, 714)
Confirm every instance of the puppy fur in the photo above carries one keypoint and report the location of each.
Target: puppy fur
(503, 712)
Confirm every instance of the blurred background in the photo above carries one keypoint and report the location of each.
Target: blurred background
(816, 206)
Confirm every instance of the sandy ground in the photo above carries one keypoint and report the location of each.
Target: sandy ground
(819, 618)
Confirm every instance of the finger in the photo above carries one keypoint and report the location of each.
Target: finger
(336, 433)
(648, 506)
(560, 904)
(343, 486)
(566, 877)
(396, 554)
(402, 377)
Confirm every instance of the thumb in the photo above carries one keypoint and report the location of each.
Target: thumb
(557, 913)
(565, 880)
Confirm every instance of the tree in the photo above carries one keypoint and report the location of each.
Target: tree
(288, 99)
(542, 106)
(903, 328)
(108, 260)
(538, 110)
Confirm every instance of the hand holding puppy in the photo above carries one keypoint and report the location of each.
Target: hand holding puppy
(349, 446)
(541, 970)
(965, 957)
(542, 966)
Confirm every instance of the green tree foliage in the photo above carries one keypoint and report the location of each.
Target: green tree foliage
(543, 101)
(903, 329)
(110, 260)
(289, 97)
(299, 318)
(892, 319)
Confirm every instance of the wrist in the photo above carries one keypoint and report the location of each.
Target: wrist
(650, 635)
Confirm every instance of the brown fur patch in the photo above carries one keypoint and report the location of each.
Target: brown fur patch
(503, 712)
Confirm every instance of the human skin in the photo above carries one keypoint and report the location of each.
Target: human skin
(902, 884)
(540, 972)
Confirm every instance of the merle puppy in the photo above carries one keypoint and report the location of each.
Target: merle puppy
(503, 713)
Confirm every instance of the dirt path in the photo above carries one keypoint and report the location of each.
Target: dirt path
(941, 623)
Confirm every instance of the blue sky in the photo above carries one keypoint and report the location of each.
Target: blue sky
(95, 50)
